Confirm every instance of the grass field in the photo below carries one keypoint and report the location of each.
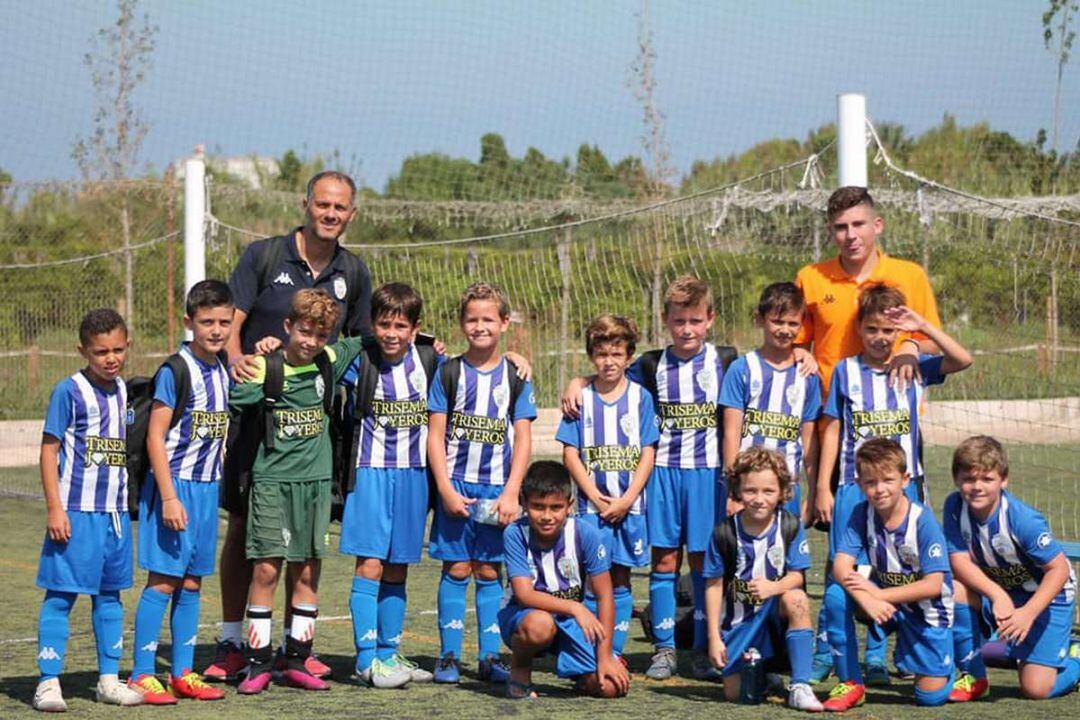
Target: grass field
(20, 543)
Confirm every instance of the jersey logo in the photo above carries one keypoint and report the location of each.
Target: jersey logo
(934, 551)
(755, 387)
(908, 556)
(417, 378)
(775, 556)
(498, 394)
(639, 546)
(1043, 540)
(829, 299)
(48, 653)
(666, 624)
(283, 279)
(794, 394)
(705, 379)
(626, 424)
(566, 565)
(601, 552)
(341, 289)
(1000, 544)
(320, 386)
(804, 547)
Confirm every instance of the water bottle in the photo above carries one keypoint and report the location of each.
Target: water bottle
(752, 677)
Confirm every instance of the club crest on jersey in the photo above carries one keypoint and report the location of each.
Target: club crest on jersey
(794, 394)
(341, 289)
(908, 554)
(626, 424)
(934, 551)
(775, 556)
(417, 378)
(498, 394)
(705, 379)
(320, 386)
(1043, 540)
(804, 547)
(1001, 544)
(566, 566)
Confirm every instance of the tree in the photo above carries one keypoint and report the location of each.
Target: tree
(1055, 22)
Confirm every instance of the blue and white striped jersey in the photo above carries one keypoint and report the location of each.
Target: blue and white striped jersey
(609, 437)
(559, 569)
(860, 397)
(775, 404)
(195, 446)
(902, 556)
(1011, 546)
(394, 435)
(91, 425)
(762, 556)
(480, 428)
(687, 397)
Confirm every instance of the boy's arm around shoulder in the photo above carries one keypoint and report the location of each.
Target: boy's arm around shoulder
(249, 392)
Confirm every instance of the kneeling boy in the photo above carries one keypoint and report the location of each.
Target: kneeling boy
(549, 558)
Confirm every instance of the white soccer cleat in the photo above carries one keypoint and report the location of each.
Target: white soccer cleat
(801, 697)
(111, 691)
(48, 698)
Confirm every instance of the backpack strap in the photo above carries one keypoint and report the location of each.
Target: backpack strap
(273, 386)
(725, 535)
(448, 377)
(789, 527)
(516, 386)
(268, 258)
(326, 369)
(182, 381)
(353, 280)
(648, 362)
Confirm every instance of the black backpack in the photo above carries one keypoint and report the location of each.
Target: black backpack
(253, 426)
(650, 361)
(725, 535)
(451, 369)
(140, 400)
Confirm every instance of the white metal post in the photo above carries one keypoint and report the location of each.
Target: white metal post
(194, 220)
(851, 139)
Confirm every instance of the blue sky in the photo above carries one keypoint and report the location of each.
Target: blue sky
(381, 80)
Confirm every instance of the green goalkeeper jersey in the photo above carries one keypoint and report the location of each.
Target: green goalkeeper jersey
(302, 448)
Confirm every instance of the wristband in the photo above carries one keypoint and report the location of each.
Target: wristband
(165, 500)
(912, 340)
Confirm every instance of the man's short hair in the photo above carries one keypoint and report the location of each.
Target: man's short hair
(546, 477)
(315, 307)
(484, 291)
(611, 330)
(333, 175)
(100, 322)
(980, 452)
(207, 294)
(687, 291)
(780, 299)
(397, 298)
(880, 454)
(877, 298)
(758, 459)
(846, 198)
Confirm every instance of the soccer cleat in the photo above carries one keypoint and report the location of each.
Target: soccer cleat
(48, 697)
(383, 676)
(111, 691)
(968, 688)
(448, 669)
(257, 679)
(299, 677)
(417, 674)
(190, 685)
(902, 673)
(801, 697)
(151, 689)
(312, 665)
(845, 696)
(876, 675)
(662, 666)
(229, 663)
(702, 669)
(493, 670)
(820, 670)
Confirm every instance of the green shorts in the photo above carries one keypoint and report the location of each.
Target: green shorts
(288, 520)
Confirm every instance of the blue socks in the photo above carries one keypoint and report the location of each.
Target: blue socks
(876, 644)
(107, 617)
(624, 610)
(842, 638)
(1067, 678)
(451, 614)
(391, 618)
(148, 616)
(701, 628)
(53, 632)
(966, 649)
(821, 647)
(662, 599)
(800, 647)
(488, 598)
(184, 622)
(364, 607)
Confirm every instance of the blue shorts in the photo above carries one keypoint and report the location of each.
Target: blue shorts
(385, 515)
(96, 559)
(684, 504)
(844, 502)
(168, 552)
(628, 540)
(763, 631)
(1048, 641)
(920, 648)
(574, 654)
(456, 539)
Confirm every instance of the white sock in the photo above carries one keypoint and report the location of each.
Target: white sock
(303, 622)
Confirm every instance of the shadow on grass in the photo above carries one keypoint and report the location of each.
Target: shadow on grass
(75, 685)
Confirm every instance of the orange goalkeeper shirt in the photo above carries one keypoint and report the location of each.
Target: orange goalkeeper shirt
(832, 305)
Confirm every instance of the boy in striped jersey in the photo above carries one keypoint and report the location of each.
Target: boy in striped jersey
(771, 398)
(909, 588)
(755, 578)
(609, 450)
(179, 499)
(550, 560)
(1011, 572)
(384, 516)
(862, 405)
(87, 547)
(479, 441)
